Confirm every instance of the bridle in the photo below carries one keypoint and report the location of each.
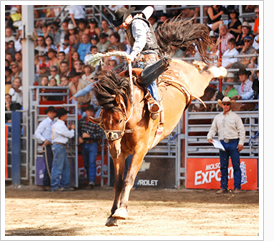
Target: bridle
(113, 135)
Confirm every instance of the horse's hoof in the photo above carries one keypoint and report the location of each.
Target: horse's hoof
(112, 222)
(120, 213)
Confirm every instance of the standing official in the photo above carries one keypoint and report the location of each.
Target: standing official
(231, 133)
(89, 135)
(60, 166)
(43, 133)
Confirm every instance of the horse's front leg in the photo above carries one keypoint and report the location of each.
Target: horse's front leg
(119, 167)
(136, 163)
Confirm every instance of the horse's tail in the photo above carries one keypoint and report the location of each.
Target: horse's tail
(183, 33)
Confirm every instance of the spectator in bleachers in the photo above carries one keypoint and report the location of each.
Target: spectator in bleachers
(249, 62)
(41, 44)
(9, 36)
(64, 47)
(52, 81)
(77, 12)
(245, 91)
(256, 23)
(64, 81)
(224, 36)
(18, 41)
(82, 29)
(231, 51)
(78, 66)
(74, 42)
(64, 31)
(49, 44)
(112, 62)
(214, 14)
(11, 49)
(93, 28)
(72, 30)
(105, 28)
(235, 25)
(14, 21)
(256, 42)
(88, 73)
(9, 57)
(114, 39)
(162, 19)
(8, 73)
(61, 57)
(43, 71)
(42, 59)
(44, 82)
(103, 43)
(74, 57)
(45, 30)
(16, 92)
(76, 84)
(52, 59)
(84, 47)
(54, 74)
(246, 28)
(55, 33)
(18, 60)
(229, 90)
(16, 71)
(9, 106)
(94, 40)
(64, 69)
(93, 50)
(255, 85)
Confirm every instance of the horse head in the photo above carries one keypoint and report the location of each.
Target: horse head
(112, 93)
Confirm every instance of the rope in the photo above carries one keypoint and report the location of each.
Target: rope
(96, 59)
(44, 149)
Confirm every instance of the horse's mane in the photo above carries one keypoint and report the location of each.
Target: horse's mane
(108, 86)
(183, 33)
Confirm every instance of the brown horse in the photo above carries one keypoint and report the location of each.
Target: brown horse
(132, 130)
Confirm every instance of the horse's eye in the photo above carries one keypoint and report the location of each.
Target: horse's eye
(119, 121)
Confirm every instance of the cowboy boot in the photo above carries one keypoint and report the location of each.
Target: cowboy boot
(153, 106)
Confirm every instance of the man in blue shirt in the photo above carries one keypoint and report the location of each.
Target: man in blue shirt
(84, 47)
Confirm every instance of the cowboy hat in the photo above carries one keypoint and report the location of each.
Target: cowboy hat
(244, 71)
(60, 112)
(121, 14)
(229, 75)
(51, 108)
(226, 99)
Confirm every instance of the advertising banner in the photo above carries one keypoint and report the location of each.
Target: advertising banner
(204, 173)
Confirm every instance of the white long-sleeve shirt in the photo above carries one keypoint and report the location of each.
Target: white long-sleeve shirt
(60, 132)
(43, 131)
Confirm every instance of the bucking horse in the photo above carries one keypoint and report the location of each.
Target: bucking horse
(125, 118)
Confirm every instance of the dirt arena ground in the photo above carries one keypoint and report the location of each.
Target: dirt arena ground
(152, 212)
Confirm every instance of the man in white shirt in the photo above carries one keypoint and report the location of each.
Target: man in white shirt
(43, 133)
(60, 165)
(231, 133)
(77, 12)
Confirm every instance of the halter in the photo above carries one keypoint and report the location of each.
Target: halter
(113, 135)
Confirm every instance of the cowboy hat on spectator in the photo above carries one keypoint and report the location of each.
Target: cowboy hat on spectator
(51, 108)
(226, 99)
(244, 71)
(60, 112)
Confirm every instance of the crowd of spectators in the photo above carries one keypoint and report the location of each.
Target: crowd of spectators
(62, 48)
